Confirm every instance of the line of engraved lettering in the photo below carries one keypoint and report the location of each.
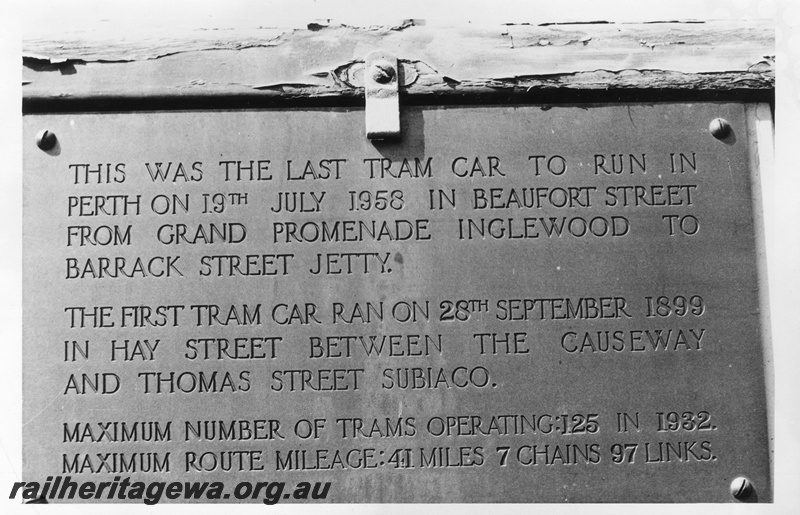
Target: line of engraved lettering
(72, 349)
(513, 424)
(476, 167)
(217, 203)
(380, 200)
(104, 205)
(617, 164)
(657, 195)
(323, 231)
(95, 317)
(461, 310)
(159, 172)
(233, 265)
(557, 454)
(253, 347)
(556, 164)
(102, 235)
(150, 316)
(322, 380)
(170, 204)
(507, 343)
(373, 345)
(102, 174)
(386, 427)
(210, 315)
(682, 163)
(115, 463)
(419, 378)
(128, 350)
(533, 198)
(687, 225)
(327, 459)
(335, 263)
(679, 305)
(251, 171)
(413, 168)
(549, 227)
(673, 421)
(103, 383)
(217, 381)
(680, 452)
(117, 432)
(210, 233)
(232, 430)
(121, 267)
(635, 340)
(367, 312)
(325, 169)
(451, 457)
(561, 308)
(225, 461)
(297, 202)
(438, 198)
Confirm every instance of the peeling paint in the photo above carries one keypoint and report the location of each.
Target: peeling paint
(672, 21)
(323, 59)
(597, 22)
(761, 67)
(131, 50)
(285, 86)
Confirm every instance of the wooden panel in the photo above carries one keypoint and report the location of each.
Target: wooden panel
(439, 62)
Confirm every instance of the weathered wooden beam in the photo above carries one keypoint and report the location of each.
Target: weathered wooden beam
(324, 63)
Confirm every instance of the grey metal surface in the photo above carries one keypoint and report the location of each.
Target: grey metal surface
(556, 373)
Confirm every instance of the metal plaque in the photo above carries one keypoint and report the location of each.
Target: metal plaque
(508, 304)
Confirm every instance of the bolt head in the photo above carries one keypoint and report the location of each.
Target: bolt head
(45, 140)
(741, 488)
(382, 72)
(719, 128)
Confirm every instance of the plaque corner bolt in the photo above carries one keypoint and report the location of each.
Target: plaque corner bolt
(719, 128)
(741, 488)
(45, 140)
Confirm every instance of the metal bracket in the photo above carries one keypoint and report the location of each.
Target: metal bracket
(381, 91)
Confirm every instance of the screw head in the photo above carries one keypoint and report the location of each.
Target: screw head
(719, 128)
(741, 488)
(45, 140)
(383, 72)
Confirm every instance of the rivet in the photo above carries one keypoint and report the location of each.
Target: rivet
(45, 140)
(382, 72)
(719, 128)
(741, 488)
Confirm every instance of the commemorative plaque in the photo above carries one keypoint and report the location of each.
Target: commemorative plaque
(508, 304)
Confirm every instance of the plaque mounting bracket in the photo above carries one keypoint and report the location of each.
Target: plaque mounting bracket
(381, 92)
